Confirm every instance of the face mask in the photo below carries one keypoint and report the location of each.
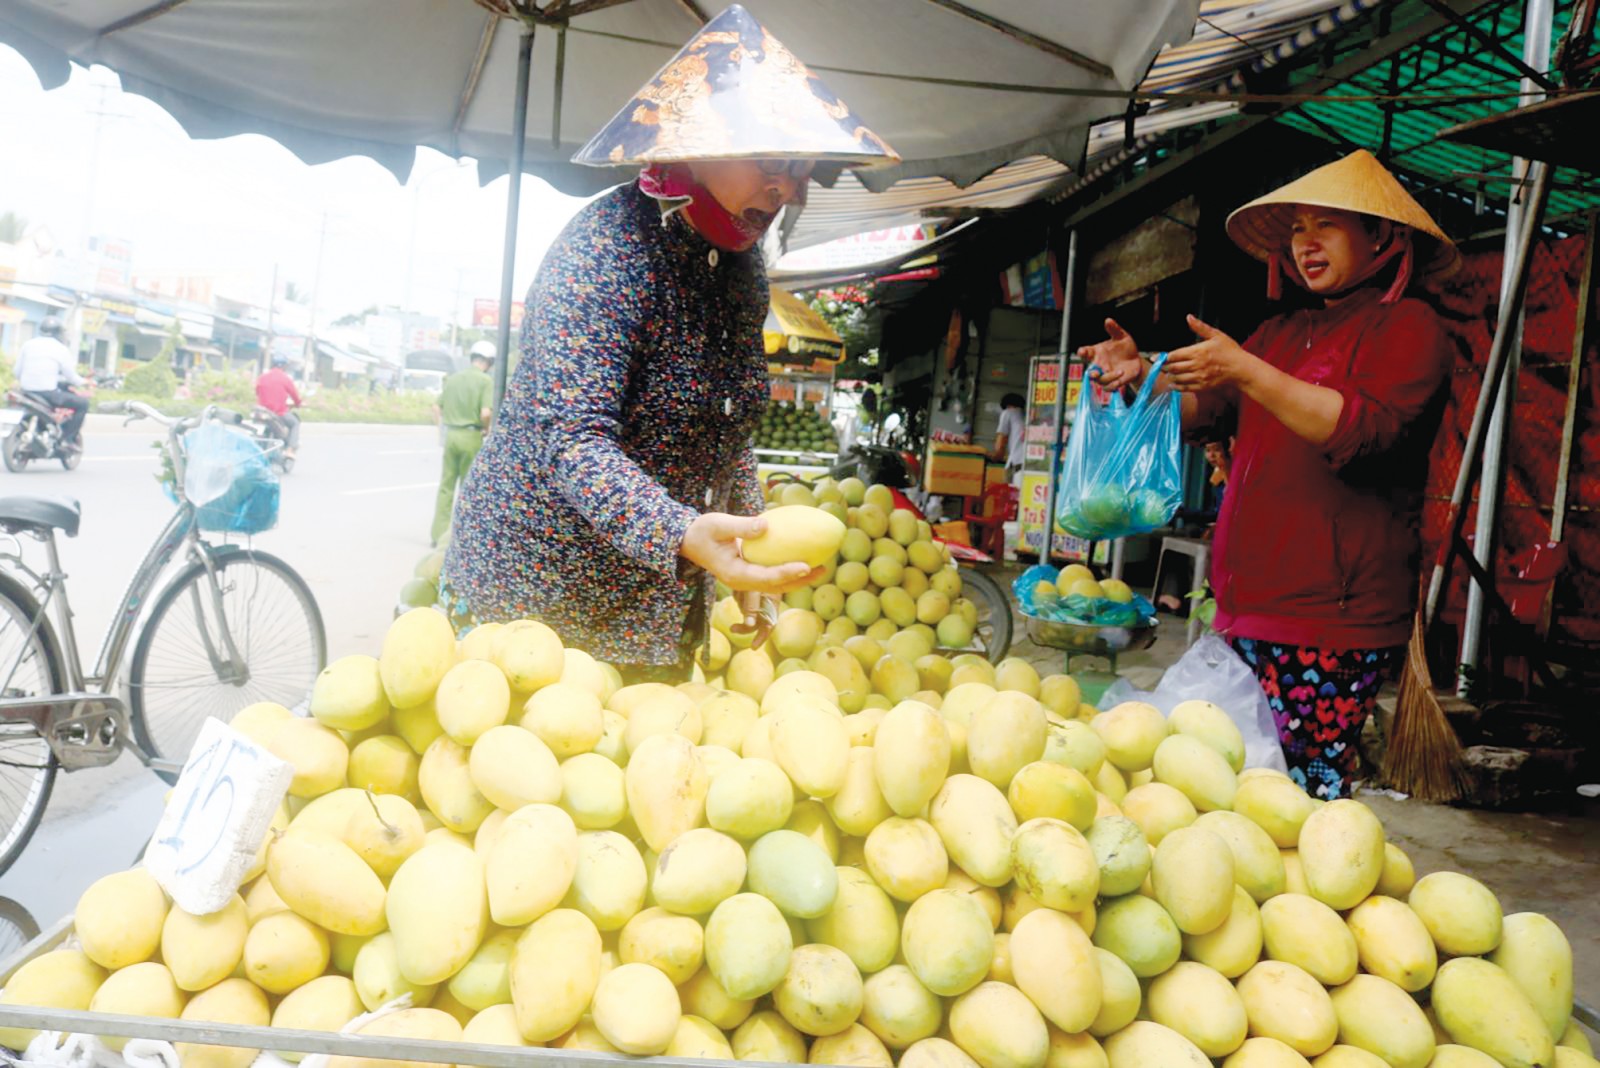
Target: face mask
(674, 186)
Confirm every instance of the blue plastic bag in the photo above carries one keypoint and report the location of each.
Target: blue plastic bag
(229, 480)
(1123, 471)
(1075, 608)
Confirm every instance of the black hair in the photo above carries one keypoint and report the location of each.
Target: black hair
(1011, 400)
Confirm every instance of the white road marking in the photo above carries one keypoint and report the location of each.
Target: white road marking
(391, 489)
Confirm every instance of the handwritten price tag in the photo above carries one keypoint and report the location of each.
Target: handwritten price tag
(216, 819)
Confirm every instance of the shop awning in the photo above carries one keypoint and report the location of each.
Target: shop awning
(794, 333)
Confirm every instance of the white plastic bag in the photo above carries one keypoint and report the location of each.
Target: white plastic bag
(1212, 671)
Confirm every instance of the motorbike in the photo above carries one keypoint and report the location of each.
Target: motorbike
(32, 432)
(267, 430)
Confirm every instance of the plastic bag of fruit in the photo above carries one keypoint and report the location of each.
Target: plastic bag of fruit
(1123, 470)
(1064, 597)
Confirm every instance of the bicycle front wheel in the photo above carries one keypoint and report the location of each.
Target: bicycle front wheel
(994, 613)
(30, 666)
(182, 673)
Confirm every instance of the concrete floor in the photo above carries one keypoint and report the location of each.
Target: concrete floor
(1539, 862)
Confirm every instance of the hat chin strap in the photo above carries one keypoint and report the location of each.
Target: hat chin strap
(673, 185)
(1399, 245)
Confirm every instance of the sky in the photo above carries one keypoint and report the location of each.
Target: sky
(88, 158)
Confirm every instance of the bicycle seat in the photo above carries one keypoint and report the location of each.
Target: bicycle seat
(60, 513)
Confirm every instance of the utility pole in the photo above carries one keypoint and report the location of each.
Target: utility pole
(316, 284)
(272, 308)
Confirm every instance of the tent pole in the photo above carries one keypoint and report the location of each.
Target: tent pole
(1538, 16)
(1053, 449)
(508, 261)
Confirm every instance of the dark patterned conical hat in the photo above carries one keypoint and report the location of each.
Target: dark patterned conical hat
(735, 92)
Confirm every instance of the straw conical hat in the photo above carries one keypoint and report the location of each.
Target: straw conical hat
(1358, 182)
(735, 92)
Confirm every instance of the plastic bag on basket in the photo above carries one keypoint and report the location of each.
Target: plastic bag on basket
(229, 480)
(1037, 595)
(1123, 469)
(1212, 671)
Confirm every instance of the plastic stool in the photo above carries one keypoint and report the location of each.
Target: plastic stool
(1199, 551)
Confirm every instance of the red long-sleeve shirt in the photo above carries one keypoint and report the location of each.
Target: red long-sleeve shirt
(274, 391)
(1318, 545)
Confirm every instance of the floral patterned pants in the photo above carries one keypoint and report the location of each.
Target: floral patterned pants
(1319, 699)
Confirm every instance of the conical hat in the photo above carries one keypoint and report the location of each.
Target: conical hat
(735, 92)
(1358, 182)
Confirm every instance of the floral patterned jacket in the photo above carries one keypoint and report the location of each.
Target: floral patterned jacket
(641, 380)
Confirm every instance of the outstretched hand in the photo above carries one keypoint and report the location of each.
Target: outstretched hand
(1215, 361)
(712, 542)
(1117, 357)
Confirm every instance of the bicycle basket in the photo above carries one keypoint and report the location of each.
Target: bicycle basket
(229, 480)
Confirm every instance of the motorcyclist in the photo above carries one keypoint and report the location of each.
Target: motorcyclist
(44, 364)
(275, 392)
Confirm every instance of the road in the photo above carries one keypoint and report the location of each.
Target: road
(353, 521)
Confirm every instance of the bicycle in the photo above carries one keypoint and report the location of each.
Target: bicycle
(232, 627)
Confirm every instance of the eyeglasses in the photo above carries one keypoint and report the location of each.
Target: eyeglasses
(794, 168)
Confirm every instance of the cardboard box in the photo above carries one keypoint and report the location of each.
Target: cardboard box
(954, 470)
(994, 475)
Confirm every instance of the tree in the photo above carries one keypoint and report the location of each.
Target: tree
(356, 318)
(292, 294)
(156, 379)
(12, 228)
(847, 311)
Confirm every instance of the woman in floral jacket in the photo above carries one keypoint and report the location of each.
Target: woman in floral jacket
(618, 478)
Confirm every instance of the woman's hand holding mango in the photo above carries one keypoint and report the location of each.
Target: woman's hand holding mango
(712, 543)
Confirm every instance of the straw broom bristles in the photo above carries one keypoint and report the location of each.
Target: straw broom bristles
(1424, 754)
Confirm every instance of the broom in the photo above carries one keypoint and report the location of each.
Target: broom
(1424, 754)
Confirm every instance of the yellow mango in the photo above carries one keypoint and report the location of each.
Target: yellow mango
(767, 1036)
(704, 997)
(231, 1001)
(326, 1003)
(794, 533)
(1211, 725)
(530, 654)
(948, 942)
(821, 992)
(911, 757)
(445, 781)
(1276, 805)
(1349, 1057)
(1341, 853)
(608, 883)
(811, 745)
(752, 798)
(428, 1024)
(348, 694)
(567, 718)
(144, 989)
(1006, 734)
(1480, 1005)
(494, 1026)
(485, 979)
(855, 1045)
(1202, 1006)
(1449, 1055)
(531, 865)
(1120, 994)
(59, 979)
(976, 825)
(512, 767)
(1285, 1003)
(748, 944)
(594, 792)
(1131, 732)
(1196, 770)
(1235, 947)
(283, 951)
(1379, 1017)
(202, 951)
(1392, 942)
(417, 727)
(1053, 963)
(554, 972)
(673, 945)
(378, 978)
(699, 870)
(636, 1008)
(1265, 1053)
(1461, 914)
(898, 1009)
(119, 919)
(258, 721)
(906, 858)
(1538, 957)
(1056, 791)
(1144, 1044)
(999, 1027)
(666, 787)
(1192, 876)
(327, 882)
(1055, 865)
(1140, 932)
(861, 922)
(794, 872)
(418, 650)
(699, 1038)
(1398, 874)
(1257, 864)
(859, 805)
(384, 764)
(438, 911)
(726, 718)
(1304, 932)
(1158, 809)
(936, 1053)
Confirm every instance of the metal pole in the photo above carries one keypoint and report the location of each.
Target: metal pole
(1053, 450)
(272, 307)
(1538, 16)
(1558, 517)
(508, 263)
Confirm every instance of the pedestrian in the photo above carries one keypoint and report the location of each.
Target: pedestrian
(45, 368)
(1010, 437)
(619, 476)
(1316, 544)
(276, 392)
(464, 411)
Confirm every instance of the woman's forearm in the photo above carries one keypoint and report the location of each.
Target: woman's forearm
(1311, 411)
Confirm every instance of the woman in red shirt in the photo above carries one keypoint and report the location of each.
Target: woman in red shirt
(1336, 407)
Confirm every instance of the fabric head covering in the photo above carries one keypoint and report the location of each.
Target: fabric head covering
(1358, 183)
